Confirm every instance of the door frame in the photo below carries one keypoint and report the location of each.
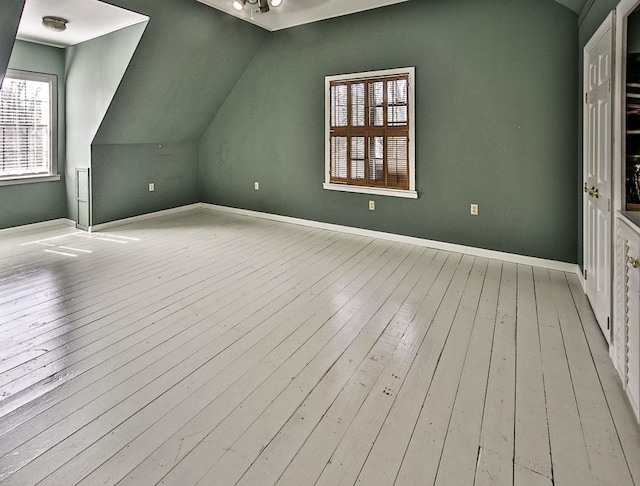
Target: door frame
(623, 10)
(608, 24)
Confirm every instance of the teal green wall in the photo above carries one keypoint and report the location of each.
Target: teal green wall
(593, 16)
(496, 120)
(41, 201)
(127, 169)
(496, 123)
(9, 21)
(188, 60)
(94, 70)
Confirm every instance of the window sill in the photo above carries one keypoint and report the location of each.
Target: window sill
(378, 191)
(29, 179)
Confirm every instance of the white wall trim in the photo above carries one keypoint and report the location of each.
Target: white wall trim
(142, 217)
(36, 226)
(438, 245)
(29, 179)
(581, 280)
(376, 191)
(411, 72)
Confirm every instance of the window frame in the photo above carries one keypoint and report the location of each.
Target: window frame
(371, 189)
(53, 173)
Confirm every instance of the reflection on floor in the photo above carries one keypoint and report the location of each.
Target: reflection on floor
(216, 349)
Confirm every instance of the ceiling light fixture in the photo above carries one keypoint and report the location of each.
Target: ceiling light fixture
(263, 5)
(57, 24)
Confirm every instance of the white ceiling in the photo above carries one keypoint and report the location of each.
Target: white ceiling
(88, 19)
(298, 12)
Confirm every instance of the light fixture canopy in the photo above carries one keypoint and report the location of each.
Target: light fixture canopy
(263, 5)
(57, 24)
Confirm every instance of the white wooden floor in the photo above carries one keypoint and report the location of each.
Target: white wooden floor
(206, 348)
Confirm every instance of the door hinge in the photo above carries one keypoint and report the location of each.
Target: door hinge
(609, 205)
(586, 97)
(585, 274)
(609, 86)
(608, 323)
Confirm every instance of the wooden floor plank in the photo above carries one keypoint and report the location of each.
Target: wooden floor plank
(133, 260)
(531, 445)
(495, 452)
(568, 448)
(318, 449)
(213, 348)
(373, 344)
(217, 296)
(286, 335)
(424, 452)
(626, 427)
(603, 437)
(457, 465)
(322, 413)
(175, 289)
(76, 401)
(306, 340)
(296, 378)
(133, 403)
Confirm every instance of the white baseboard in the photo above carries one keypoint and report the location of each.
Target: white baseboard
(438, 245)
(583, 282)
(142, 217)
(37, 226)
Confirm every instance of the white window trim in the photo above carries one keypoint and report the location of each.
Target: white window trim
(411, 193)
(30, 179)
(53, 174)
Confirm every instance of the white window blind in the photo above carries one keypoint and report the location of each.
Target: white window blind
(27, 125)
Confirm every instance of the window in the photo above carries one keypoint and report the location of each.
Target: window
(370, 133)
(28, 135)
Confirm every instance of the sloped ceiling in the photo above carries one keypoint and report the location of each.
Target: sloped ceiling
(9, 20)
(575, 5)
(186, 63)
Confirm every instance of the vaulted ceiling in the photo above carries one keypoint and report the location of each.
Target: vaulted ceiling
(292, 13)
(215, 73)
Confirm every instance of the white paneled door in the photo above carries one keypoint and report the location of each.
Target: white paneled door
(598, 102)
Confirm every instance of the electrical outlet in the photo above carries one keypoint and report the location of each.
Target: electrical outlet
(474, 209)
(152, 187)
(256, 186)
(372, 205)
